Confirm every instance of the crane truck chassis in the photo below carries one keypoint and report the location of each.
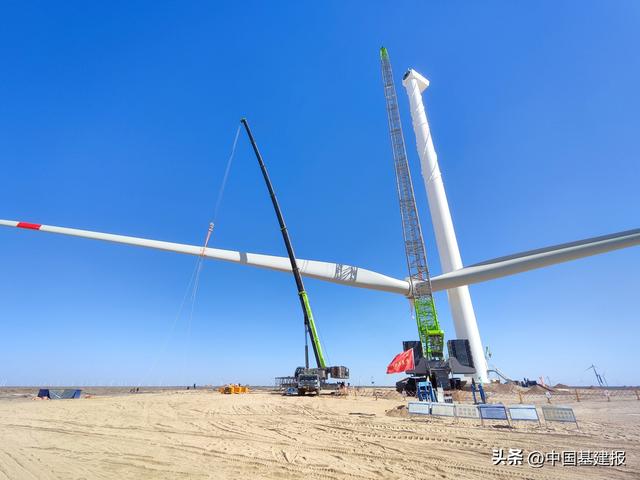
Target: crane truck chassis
(312, 380)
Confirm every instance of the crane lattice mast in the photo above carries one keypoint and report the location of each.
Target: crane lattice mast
(431, 336)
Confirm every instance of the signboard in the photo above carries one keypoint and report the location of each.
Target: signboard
(467, 411)
(524, 413)
(420, 408)
(559, 414)
(490, 411)
(443, 409)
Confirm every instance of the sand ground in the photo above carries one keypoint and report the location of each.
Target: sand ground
(202, 434)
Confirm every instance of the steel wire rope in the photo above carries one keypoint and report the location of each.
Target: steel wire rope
(200, 260)
(194, 281)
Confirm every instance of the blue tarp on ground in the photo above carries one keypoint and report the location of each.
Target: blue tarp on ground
(67, 393)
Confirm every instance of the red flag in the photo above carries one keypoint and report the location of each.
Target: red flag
(401, 362)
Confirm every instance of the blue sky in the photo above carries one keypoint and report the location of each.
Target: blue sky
(119, 117)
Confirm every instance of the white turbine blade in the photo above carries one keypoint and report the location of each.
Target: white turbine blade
(543, 257)
(331, 272)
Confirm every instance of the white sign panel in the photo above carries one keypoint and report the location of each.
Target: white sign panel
(523, 412)
(420, 408)
(443, 409)
(467, 411)
(558, 414)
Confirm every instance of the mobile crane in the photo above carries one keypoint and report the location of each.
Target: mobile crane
(305, 379)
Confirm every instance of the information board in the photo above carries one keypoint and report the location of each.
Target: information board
(420, 408)
(443, 409)
(559, 414)
(467, 411)
(523, 413)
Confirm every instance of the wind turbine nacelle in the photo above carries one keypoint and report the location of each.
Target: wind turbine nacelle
(411, 74)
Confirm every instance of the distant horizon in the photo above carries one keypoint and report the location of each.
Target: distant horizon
(212, 385)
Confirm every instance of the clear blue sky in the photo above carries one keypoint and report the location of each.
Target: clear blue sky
(119, 117)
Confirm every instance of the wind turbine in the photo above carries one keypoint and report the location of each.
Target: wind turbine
(602, 382)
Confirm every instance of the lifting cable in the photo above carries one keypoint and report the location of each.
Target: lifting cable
(191, 290)
(214, 217)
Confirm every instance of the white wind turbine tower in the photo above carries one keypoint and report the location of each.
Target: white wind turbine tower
(464, 318)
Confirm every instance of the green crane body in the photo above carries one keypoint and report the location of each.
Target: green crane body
(431, 335)
(313, 333)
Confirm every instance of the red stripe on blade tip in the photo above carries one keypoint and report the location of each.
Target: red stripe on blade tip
(30, 226)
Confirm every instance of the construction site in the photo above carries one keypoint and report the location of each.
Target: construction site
(450, 411)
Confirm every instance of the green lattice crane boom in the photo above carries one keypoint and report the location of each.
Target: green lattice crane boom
(431, 336)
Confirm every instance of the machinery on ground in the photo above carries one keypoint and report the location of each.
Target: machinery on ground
(233, 388)
(305, 379)
(430, 364)
(309, 382)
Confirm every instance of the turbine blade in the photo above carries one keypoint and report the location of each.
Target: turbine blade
(331, 272)
(533, 259)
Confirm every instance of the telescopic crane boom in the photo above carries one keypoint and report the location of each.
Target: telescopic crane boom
(310, 326)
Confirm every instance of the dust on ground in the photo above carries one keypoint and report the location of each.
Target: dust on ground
(204, 434)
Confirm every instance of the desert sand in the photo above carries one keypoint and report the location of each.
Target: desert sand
(204, 434)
